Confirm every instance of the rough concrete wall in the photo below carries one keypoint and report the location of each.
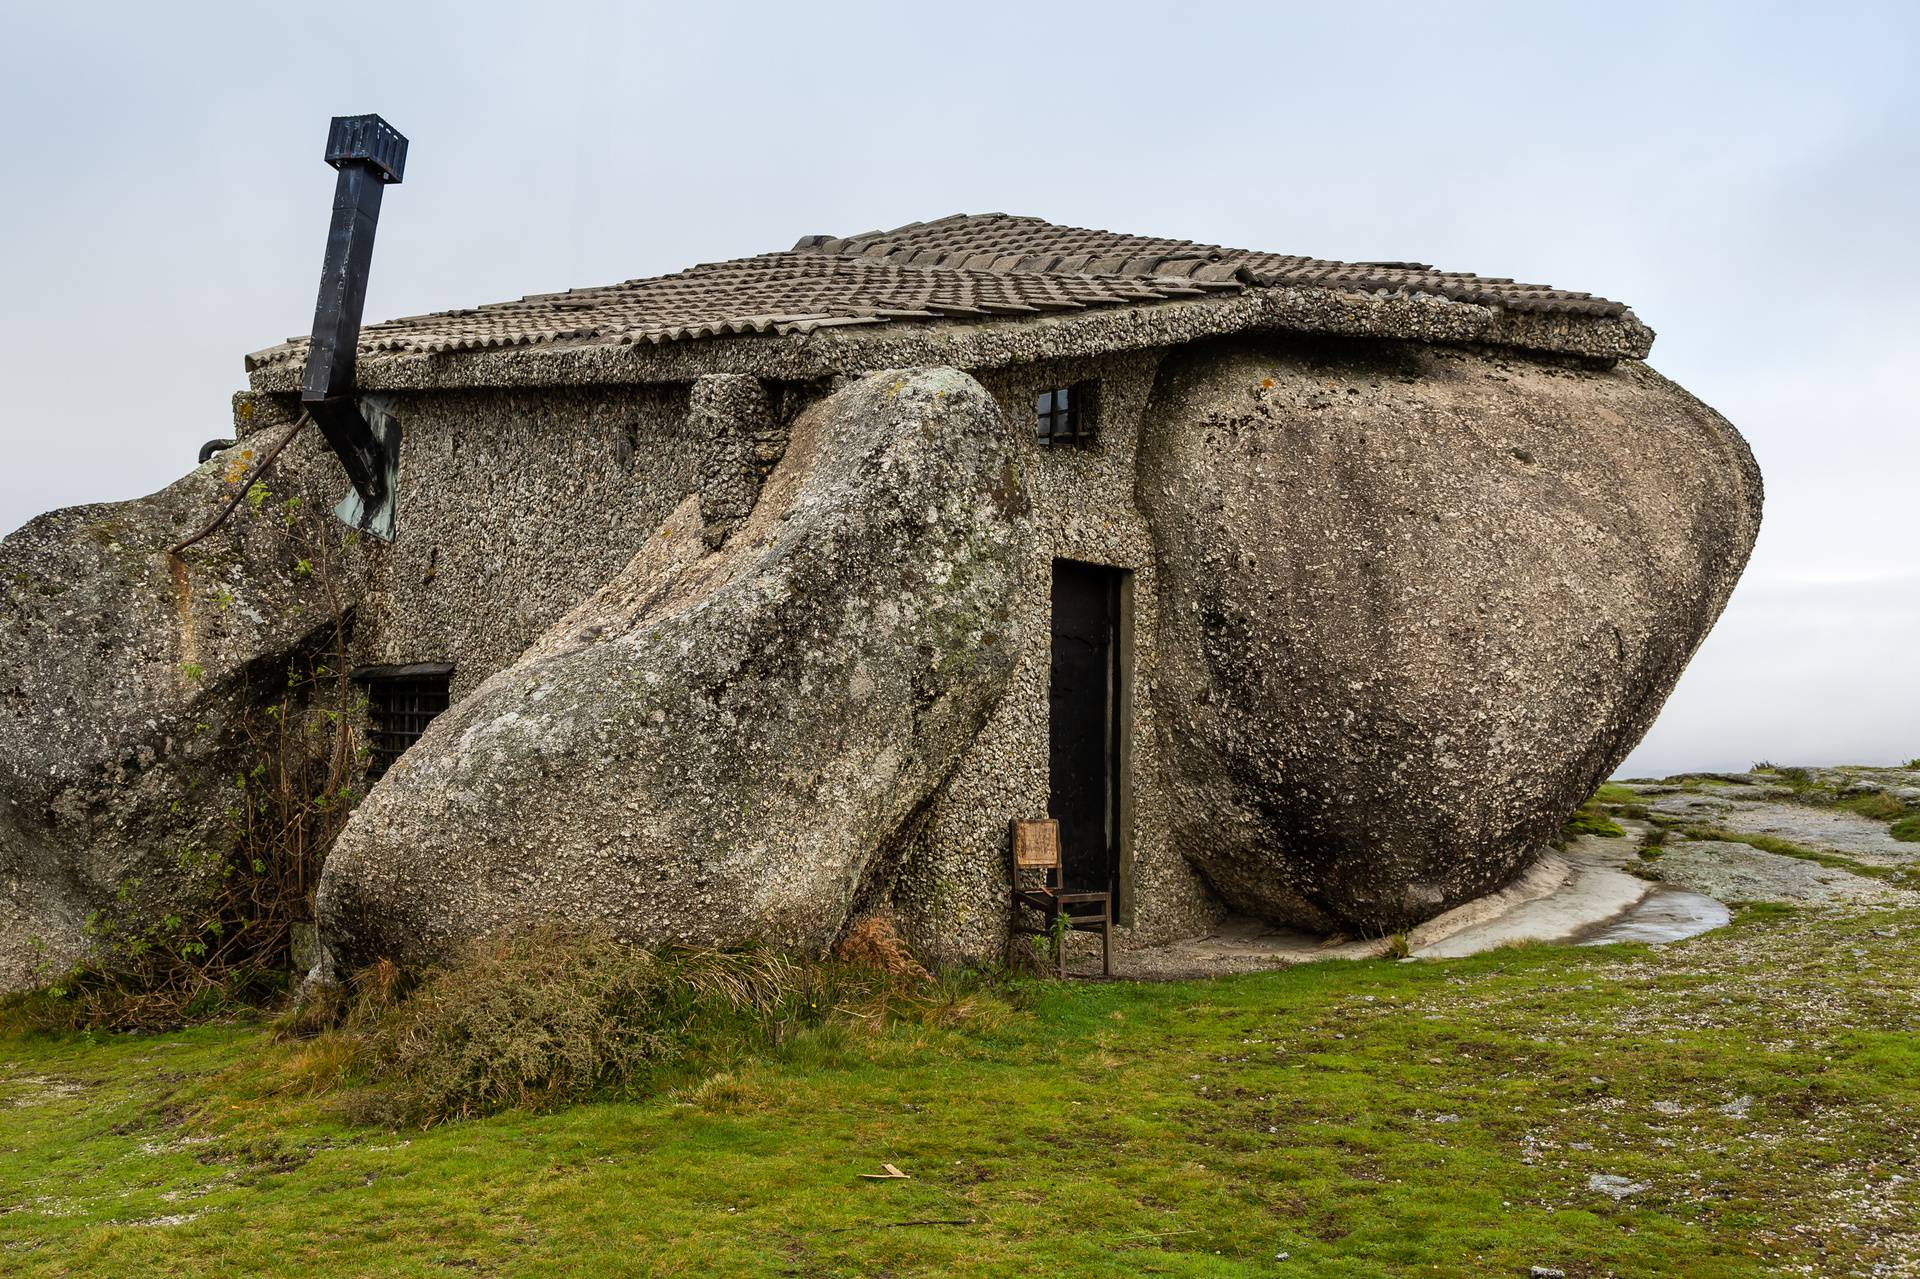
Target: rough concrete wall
(952, 894)
(514, 507)
(1294, 489)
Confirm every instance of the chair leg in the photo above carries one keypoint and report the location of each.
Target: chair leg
(1059, 944)
(1106, 940)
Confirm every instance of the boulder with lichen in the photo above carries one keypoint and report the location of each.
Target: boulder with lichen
(721, 746)
(126, 679)
(1415, 602)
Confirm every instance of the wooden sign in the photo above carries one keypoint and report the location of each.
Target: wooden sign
(1036, 843)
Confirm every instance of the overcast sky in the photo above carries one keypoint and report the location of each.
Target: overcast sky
(1746, 177)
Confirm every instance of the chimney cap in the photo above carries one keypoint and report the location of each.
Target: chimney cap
(369, 140)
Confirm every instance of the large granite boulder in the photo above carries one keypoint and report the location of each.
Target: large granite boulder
(720, 746)
(126, 676)
(1415, 602)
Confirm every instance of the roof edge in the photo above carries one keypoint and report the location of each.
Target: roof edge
(1000, 341)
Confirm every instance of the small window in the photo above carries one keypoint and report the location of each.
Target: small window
(1066, 414)
(401, 702)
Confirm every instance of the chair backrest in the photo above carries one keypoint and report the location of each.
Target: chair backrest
(1036, 847)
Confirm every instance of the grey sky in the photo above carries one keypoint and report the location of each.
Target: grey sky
(1747, 177)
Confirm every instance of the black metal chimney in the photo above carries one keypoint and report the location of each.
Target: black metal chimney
(370, 154)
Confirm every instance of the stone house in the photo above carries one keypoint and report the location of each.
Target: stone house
(762, 596)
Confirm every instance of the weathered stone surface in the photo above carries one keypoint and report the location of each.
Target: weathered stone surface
(1737, 873)
(1415, 602)
(1829, 829)
(123, 677)
(721, 746)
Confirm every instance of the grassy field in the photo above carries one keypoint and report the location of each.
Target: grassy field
(1753, 1093)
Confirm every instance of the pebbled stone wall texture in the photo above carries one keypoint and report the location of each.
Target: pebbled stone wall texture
(1395, 608)
(952, 897)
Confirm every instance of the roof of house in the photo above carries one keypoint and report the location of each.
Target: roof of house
(969, 267)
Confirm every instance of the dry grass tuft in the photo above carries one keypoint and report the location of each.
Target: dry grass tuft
(541, 1016)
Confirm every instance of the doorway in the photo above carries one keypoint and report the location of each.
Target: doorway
(1086, 703)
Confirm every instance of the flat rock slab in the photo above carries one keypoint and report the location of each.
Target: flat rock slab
(1827, 829)
(1737, 873)
(1901, 783)
(1237, 945)
(1592, 891)
(1562, 897)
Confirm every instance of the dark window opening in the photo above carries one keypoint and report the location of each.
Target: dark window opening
(1066, 414)
(401, 702)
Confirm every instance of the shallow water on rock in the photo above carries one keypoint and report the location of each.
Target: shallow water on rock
(1665, 914)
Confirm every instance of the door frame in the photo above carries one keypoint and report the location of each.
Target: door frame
(1119, 727)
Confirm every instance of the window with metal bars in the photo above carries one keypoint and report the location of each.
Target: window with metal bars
(1066, 415)
(401, 702)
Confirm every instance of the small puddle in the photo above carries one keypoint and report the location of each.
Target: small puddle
(1665, 914)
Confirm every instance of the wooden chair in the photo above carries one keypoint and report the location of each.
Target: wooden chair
(1036, 849)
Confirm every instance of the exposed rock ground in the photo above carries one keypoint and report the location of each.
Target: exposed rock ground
(1653, 882)
(1751, 810)
(1735, 872)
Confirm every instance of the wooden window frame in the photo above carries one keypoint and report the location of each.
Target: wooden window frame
(1067, 416)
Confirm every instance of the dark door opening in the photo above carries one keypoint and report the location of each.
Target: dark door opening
(1084, 736)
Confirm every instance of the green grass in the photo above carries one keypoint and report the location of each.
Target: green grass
(1586, 821)
(1368, 1119)
(1877, 805)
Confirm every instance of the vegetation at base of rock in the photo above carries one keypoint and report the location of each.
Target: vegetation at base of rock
(1878, 805)
(1907, 829)
(1613, 793)
(548, 1014)
(1588, 821)
(1596, 816)
(229, 947)
(1369, 1119)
